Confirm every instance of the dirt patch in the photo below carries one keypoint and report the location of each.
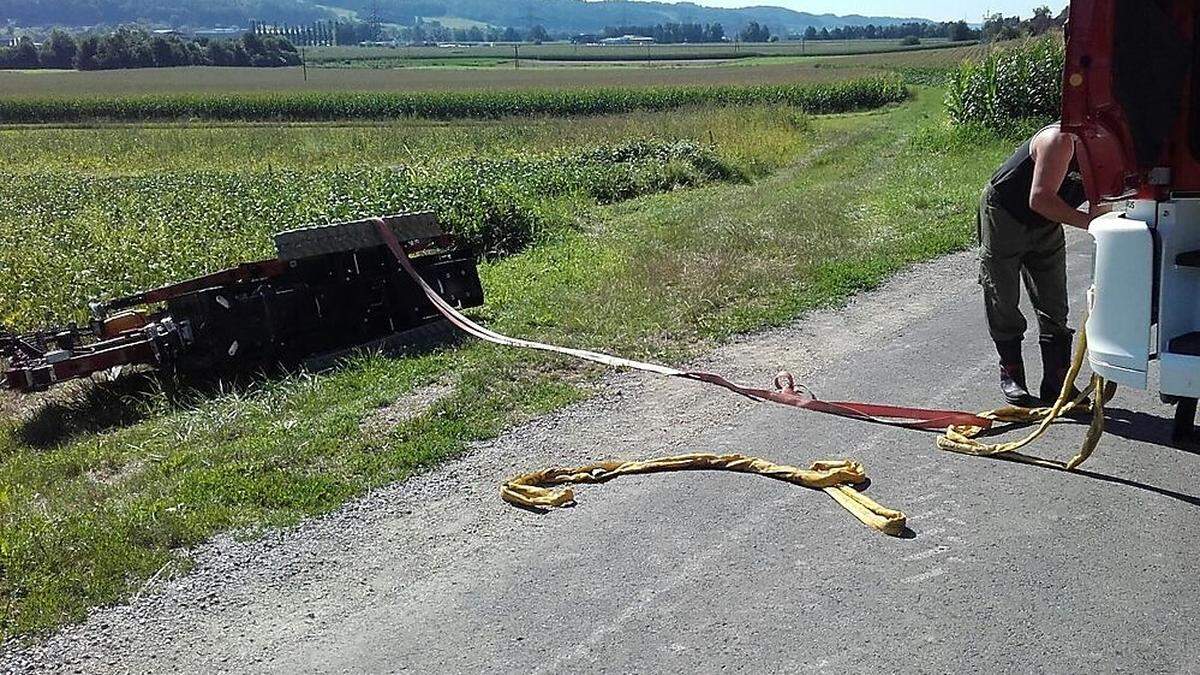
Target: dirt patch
(114, 474)
(406, 408)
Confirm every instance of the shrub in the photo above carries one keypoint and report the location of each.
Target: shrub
(1010, 87)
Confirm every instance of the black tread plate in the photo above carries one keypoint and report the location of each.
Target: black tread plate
(1189, 259)
(341, 237)
(1187, 345)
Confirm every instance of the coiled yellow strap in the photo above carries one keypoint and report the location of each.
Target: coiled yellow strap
(964, 439)
(837, 478)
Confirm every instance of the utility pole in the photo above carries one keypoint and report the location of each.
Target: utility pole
(517, 55)
(982, 27)
(375, 21)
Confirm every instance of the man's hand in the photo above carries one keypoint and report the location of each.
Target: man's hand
(1101, 209)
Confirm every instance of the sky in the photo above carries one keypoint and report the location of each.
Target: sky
(938, 10)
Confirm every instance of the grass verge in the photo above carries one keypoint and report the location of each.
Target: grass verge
(104, 490)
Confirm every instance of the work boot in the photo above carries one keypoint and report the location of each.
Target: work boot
(1056, 363)
(1012, 374)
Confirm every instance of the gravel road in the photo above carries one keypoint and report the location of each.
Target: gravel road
(1012, 568)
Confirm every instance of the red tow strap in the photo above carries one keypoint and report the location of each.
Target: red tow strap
(786, 392)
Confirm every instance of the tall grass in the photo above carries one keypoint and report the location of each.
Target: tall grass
(1010, 87)
(826, 98)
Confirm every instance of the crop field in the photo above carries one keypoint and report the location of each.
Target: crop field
(197, 79)
(397, 73)
(837, 97)
(749, 136)
(73, 198)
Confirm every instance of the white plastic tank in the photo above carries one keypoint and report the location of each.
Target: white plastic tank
(1121, 298)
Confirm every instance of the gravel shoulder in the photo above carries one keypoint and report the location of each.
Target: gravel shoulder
(1012, 567)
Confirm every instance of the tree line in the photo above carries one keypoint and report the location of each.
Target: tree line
(954, 31)
(351, 33)
(160, 12)
(1000, 27)
(679, 33)
(317, 33)
(136, 48)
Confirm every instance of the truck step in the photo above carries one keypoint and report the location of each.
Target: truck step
(1189, 259)
(1187, 345)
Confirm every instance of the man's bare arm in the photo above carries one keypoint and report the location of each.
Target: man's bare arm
(1052, 153)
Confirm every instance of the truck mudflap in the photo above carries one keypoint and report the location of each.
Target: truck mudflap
(1120, 300)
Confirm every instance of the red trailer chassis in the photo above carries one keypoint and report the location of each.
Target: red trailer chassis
(330, 289)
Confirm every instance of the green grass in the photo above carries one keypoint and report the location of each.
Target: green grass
(106, 486)
(861, 94)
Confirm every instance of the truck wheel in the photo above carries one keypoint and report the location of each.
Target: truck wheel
(1185, 421)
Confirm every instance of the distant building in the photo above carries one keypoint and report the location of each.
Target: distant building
(628, 40)
(219, 33)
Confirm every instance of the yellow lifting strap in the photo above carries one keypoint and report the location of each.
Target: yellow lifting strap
(837, 478)
(964, 439)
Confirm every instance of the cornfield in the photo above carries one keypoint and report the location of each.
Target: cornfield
(330, 106)
(1009, 87)
(67, 237)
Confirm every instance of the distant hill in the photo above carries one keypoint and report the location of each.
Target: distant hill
(578, 16)
(169, 13)
(557, 16)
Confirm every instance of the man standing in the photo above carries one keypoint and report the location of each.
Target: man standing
(1021, 239)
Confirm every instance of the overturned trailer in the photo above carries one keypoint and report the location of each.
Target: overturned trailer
(329, 290)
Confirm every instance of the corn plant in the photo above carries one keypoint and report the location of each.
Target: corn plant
(846, 96)
(1008, 88)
